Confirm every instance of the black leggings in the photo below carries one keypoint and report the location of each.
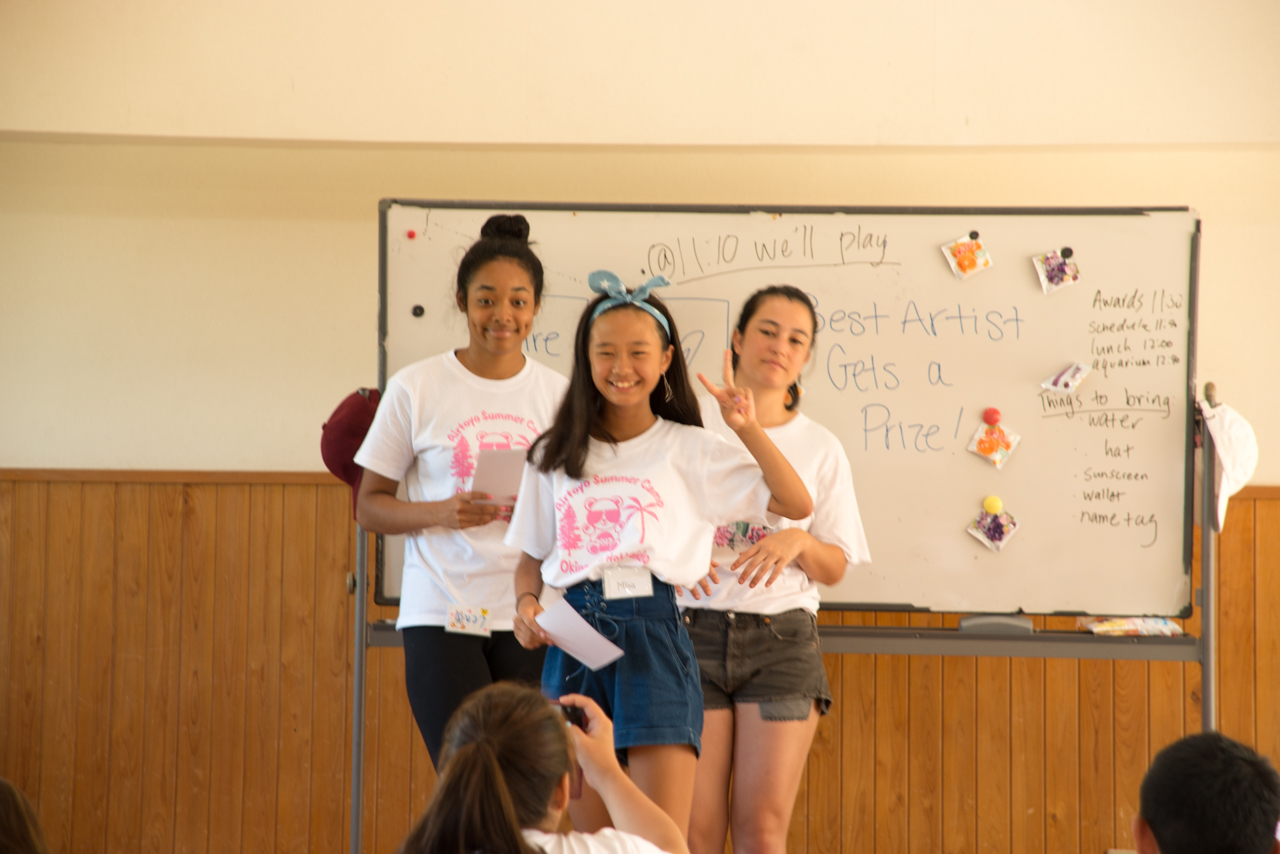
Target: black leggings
(441, 668)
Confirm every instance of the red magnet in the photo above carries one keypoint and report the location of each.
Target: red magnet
(412, 234)
(991, 416)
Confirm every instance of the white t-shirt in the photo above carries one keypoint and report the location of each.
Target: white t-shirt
(653, 501)
(820, 460)
(606, 841)
(433, 419)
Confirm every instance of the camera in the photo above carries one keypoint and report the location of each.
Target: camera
(574, 715)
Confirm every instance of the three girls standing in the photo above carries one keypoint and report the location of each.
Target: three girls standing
(624, 488)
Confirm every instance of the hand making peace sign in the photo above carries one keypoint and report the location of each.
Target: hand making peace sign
(737, 406)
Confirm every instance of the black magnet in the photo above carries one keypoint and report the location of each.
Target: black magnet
(973, 235)
(418, 311)
(1066, 252)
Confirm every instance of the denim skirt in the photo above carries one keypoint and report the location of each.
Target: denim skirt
(653, 693)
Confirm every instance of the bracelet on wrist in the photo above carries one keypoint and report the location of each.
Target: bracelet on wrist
(524, 594)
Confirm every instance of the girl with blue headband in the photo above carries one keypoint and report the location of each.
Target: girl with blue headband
(618, 506)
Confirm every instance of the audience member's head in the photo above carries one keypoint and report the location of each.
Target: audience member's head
(1207, 794)
(19, 830)
(504, 767)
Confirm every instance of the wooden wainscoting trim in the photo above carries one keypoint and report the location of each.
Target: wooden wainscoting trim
(1262, 493)
(305, 478)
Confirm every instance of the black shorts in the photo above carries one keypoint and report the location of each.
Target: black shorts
(770, 659)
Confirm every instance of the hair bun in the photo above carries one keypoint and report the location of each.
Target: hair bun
(506, 227)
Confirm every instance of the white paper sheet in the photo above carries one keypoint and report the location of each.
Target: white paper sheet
(575, 636)
(498, 473)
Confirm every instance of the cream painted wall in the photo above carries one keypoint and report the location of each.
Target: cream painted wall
(204, 306)
(671, 72)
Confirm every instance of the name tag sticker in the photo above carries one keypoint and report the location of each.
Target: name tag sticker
(627, 582)
(468, 621)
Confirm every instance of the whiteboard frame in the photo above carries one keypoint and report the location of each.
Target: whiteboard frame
(384, 205)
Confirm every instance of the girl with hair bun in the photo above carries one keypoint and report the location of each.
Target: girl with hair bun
(755, 634)
(433, 419)
(618, 505)
(507, 774)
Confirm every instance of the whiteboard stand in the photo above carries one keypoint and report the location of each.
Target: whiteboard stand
(359, 587)
(1207, 595)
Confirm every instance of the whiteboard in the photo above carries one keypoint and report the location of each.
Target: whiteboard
(907, 357)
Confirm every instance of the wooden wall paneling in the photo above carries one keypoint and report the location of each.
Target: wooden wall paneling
(857, 745)
(129, 669)
(1062, 749)
(195, 694)
(1165, 706)
(297, 654)
(61, 665)
(230, 630)
(1235, 624)
(6, 613)
(823, 816)
(395, 732)
(349, 685)
(924, 746)
(159, 596)
(372, 730)
(1131, 740)
(262, 688)
(993, 744)
(1266, 602)
(330, 753)
(1191, 698)
(164, 649)
(1026, 750)
(27, 638)
(1097, 756)
(93, 697)
(959, 750)
(892, 744)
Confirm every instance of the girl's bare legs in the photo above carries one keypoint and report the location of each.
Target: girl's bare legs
(768, 761)
(709, 823)
(665, 773)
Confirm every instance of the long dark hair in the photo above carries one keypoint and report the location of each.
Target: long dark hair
(501, 236)
(752, 305)
(565, 444)
(19, 828)
(505, 750)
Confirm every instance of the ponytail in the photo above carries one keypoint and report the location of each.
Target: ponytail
(505, 750)
(470, 809)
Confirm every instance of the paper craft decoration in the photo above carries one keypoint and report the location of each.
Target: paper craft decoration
(993, 527)
(1055, 270)
(1128, 626)
(992, 442)
(966, 255)
(1068, 378)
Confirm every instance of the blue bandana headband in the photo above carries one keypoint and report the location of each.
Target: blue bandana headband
(604, 282)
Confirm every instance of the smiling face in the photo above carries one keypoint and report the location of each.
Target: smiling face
(776, 345)
(500, 307)
(627, 357)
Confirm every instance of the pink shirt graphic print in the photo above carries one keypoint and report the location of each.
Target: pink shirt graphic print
(608, 517)
(487, 431)
(653, 501)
